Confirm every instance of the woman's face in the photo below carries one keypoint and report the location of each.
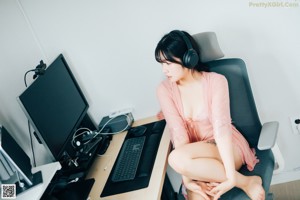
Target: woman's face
(173, 71)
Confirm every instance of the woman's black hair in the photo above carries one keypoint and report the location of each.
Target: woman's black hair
(173, 46)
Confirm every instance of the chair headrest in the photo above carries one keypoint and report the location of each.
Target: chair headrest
(208, 46)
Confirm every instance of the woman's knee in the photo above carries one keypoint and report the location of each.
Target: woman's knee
(178, 161)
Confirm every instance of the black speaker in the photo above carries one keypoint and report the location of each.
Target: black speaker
(190, 58)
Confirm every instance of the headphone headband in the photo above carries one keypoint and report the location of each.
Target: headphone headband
(190, 58)
(185, 38)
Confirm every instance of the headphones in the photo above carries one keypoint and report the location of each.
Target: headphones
(190, 58)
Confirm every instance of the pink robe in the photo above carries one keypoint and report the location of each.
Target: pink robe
(212, 122)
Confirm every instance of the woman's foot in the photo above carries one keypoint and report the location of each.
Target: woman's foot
(254, 188)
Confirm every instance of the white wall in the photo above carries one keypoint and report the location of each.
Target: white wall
(109, 46)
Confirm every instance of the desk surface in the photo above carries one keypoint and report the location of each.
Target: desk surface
(102, 166)
(36, 192)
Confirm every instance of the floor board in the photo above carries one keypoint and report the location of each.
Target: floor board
(286, 191)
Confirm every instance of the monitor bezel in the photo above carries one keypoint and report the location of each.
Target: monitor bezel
(64, 148)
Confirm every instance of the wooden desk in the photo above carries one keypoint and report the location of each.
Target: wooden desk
(102, 166)
(36, 192)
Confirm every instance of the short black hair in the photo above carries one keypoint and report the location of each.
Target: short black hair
(173, 46)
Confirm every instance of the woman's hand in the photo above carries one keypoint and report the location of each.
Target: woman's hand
(220, 188)
(195, 186)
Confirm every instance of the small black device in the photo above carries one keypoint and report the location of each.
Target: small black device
(40, 69)
(83, 138)
(191, 57)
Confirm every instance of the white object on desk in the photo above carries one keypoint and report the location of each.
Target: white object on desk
(36, 192)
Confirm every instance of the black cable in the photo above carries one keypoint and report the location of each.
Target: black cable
(28, 122)
(25, 75)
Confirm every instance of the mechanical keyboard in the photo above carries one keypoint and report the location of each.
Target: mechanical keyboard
(127, 164)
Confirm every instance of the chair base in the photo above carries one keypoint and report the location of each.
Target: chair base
(270, 196)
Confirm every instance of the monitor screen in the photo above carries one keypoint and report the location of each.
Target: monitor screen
(55, 105)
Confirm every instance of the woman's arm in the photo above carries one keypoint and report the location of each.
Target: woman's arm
(221, 121)
(224, 144)
(226, 152)
(170, 111)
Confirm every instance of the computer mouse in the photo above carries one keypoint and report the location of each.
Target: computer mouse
(137, 131)
(60, 185)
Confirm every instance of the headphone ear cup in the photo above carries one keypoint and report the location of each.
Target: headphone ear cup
(190, 58)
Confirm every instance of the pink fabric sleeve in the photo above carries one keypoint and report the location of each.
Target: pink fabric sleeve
(220, 106)
(176, 125)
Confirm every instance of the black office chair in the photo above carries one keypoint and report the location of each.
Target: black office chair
(243, 112)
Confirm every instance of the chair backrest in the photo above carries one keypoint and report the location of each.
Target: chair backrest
(242, 105)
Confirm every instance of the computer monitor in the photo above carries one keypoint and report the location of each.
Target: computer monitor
(55, 106)
(14, 162)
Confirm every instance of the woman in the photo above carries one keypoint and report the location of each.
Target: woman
(208, 149)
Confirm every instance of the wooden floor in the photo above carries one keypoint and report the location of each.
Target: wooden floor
(286, 191)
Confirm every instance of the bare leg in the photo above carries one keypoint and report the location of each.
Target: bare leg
(201, 161)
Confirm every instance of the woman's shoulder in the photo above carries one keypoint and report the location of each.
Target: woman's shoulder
(164, 87)
(213, 77)
(166, 84)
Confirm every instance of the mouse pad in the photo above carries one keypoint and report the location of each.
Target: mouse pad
(77, 191)
(153, 132)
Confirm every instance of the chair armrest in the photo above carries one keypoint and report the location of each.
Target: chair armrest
(268, 135)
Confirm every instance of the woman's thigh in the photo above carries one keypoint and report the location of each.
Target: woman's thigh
(194, 150)
(202, 149)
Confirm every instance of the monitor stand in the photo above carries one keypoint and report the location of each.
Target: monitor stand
(37, 179)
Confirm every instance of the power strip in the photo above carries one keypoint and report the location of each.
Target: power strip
(120, 112)
(118, 123)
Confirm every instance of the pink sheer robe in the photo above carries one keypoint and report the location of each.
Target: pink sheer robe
(211, 122)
